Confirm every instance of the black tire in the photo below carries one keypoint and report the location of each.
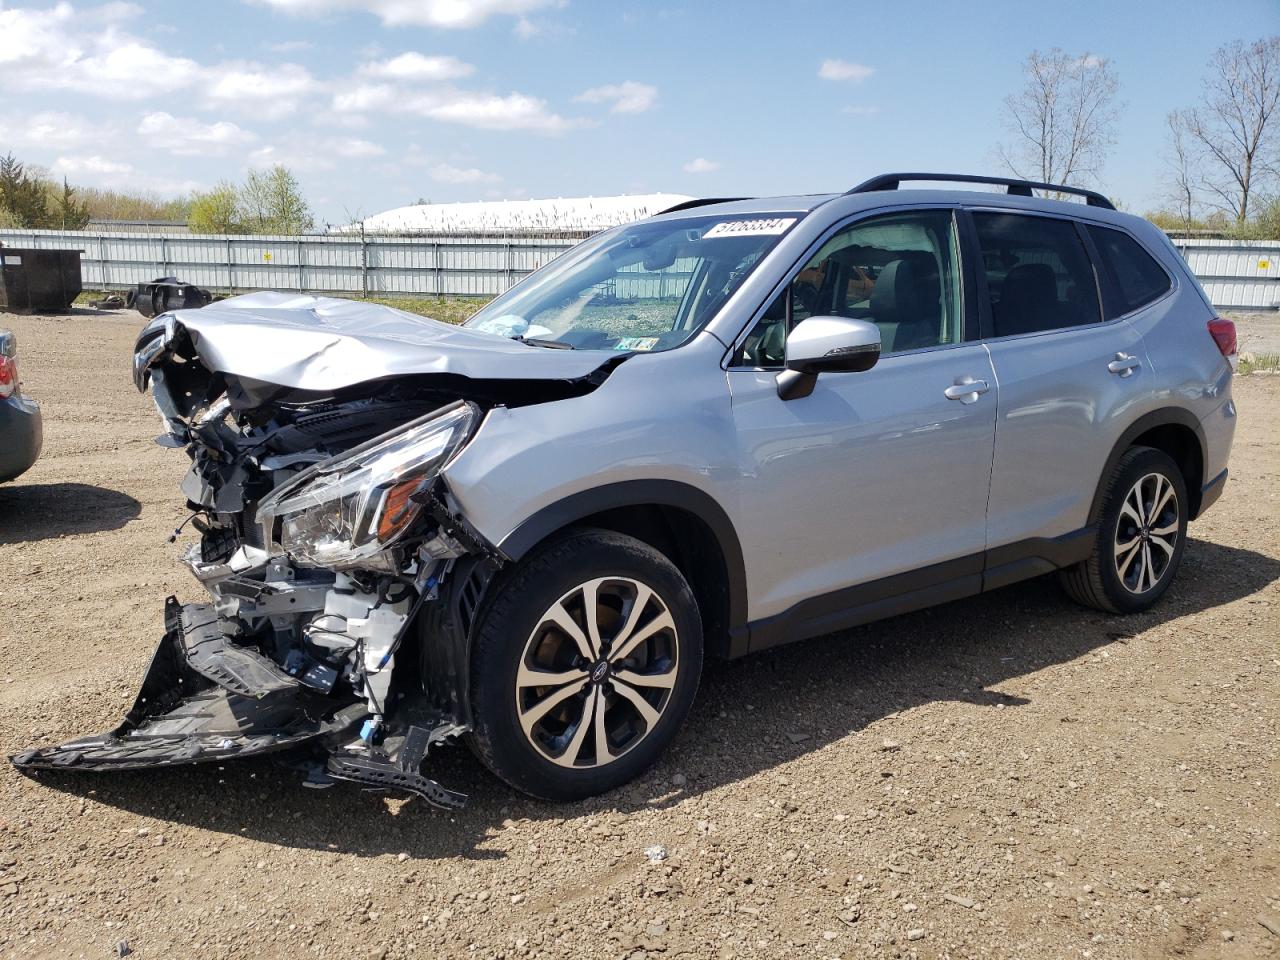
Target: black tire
(1097, 581)
(504, 639)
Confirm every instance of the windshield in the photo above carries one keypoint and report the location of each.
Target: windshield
(645, 286)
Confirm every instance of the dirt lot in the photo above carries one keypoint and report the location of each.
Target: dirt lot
(1008, 776)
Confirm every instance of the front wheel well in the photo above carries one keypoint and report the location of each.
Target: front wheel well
(688, 542)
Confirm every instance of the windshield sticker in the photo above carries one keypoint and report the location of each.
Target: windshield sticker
(636, 343)
(750, 228)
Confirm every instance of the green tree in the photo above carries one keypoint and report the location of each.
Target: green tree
(217, 211)
(271, 201)
(22, 196)
(69, 211)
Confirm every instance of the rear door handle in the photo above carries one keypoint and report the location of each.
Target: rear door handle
(1124, 364)
(966, 390)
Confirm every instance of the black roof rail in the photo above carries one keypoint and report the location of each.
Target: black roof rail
(1019, 188)
(705, 201)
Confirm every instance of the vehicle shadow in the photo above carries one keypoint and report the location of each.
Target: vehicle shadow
(751, 715)
(40, 511)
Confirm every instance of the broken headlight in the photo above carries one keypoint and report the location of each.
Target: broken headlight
(346, 511)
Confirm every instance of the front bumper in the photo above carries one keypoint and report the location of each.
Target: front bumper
(21, 436)
(206, 699)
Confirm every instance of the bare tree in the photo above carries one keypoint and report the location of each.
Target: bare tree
(1183, 160)
(1238, 123)
(1063, 119)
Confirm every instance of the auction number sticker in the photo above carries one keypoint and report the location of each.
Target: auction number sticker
(750, 228)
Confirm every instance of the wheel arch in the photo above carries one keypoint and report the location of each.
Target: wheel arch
(1172, 430)
(684, 523)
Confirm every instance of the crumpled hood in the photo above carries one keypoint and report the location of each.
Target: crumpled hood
(326, 343)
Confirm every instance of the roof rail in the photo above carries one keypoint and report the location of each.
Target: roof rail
(706, 201)
(1019, 188)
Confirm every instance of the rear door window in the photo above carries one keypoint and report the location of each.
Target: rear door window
(1039, 276)
(1136, 277)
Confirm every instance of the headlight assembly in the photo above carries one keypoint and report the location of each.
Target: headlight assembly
(344, 512)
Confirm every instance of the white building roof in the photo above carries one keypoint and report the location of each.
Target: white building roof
(510, 216)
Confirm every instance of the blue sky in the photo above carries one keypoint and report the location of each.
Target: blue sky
(375, 103)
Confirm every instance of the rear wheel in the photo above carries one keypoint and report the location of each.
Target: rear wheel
(1141, 533)
(584, 666)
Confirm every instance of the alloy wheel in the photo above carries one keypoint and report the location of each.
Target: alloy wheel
(1146, 533)
(597, 672)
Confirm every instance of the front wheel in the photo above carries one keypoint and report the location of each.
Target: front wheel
(584, 665)
(1141, 533)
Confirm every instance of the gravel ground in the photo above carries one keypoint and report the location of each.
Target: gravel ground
(1258, 332)
(1007, 776)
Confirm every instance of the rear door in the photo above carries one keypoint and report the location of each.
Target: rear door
(1067, 379)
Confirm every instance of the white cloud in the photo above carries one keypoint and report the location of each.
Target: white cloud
(449, 14)
(516, 111)
(86, 51)
(526, 29)
(844, 70)
(701, 165)
(290, 46)
(53, 130)
(301, 153)
(188, 137)
(97, 171)
(265, 91)
(91, 165)
(62, 48)
(353, 147)
(1091, 61)
(445, 173)
(489, 111)
(485, 111)
(327, 119)
(415, 66)
(296, 159)
(626, 97)
(364, 97)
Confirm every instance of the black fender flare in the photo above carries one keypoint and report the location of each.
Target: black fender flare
(1165, 416)
(638, 493)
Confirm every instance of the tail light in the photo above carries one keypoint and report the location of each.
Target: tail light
(1224, 335)
(8, 376)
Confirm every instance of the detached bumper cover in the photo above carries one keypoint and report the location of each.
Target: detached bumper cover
(205, 699)
(183, 716)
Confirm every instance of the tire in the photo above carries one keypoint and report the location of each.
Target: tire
(544, 739)
(1118, 578)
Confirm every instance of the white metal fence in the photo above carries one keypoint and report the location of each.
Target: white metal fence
(1237, 274)
(371, 266)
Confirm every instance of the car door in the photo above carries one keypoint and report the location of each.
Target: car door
(873, 486)
(1065, 376)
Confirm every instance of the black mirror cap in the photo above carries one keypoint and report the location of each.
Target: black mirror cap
(798, 379)
(840, 360)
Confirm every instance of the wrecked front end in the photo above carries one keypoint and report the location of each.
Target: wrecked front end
(341, 578)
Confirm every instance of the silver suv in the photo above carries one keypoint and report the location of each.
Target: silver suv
(734, 425)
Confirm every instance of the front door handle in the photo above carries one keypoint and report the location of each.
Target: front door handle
(966, 390)
(1124, 364)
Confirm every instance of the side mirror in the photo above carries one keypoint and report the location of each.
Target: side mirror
(827, 345)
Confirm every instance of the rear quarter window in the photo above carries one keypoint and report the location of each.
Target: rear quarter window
(1136, 278)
